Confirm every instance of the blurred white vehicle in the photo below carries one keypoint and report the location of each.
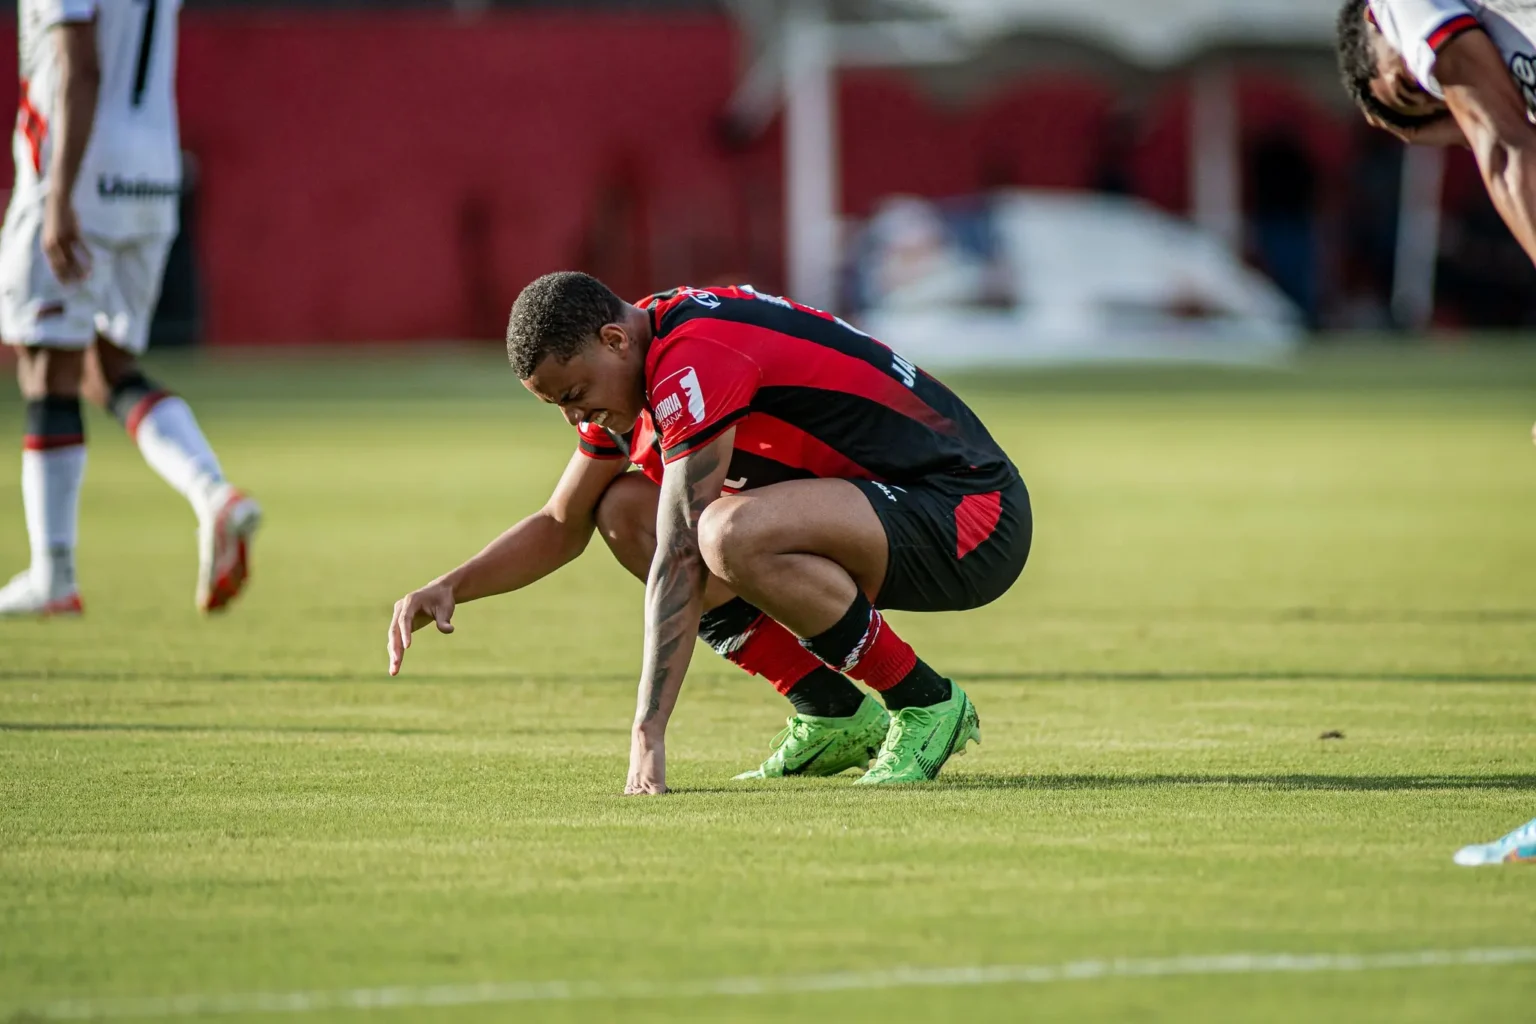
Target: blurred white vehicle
(1062, 277)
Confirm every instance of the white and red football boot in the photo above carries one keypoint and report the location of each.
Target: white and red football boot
(26, 595)
(223, 547)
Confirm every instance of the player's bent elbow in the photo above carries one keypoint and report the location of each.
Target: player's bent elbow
(571, 534)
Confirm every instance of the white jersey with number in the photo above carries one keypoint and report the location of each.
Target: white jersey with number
(131, 175)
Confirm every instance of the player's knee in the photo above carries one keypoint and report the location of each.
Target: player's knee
(626, 514)
(731, 535)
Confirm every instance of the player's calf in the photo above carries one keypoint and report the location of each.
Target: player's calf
(52, 468)
(168, 436)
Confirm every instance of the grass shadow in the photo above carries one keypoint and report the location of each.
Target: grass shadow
(193, 727)
(1219, 780)
(628, 678)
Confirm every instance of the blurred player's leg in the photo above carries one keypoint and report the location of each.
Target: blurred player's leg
(51, 324)
(835, 726)
(163, 427)
(1517, 847)
(52, 468)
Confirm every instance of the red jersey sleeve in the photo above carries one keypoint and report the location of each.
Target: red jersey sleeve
(596, 443)
(700, 387)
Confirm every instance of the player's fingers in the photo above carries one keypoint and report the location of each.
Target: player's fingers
(71, 271)
(56, 262)
(444, 619)
(393, 646)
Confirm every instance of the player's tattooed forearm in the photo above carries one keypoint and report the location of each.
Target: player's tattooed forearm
(677, 575)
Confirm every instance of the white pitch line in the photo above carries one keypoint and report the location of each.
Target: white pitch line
(901, 977)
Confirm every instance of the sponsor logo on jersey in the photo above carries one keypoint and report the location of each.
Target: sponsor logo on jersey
(111, 186)
(709, 300)
(677, 393)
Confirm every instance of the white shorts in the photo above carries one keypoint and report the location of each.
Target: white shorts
(116, 300)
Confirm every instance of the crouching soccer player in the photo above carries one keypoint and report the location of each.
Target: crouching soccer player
(797, 476)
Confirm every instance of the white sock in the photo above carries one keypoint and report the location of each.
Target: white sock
(50, 493)
(174, 447)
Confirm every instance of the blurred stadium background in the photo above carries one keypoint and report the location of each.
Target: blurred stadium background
(415, 163)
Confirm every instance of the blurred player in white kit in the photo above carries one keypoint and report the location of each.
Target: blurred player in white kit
(1456, 73)
(91, 220)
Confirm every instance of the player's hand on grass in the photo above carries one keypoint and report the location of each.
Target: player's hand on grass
(647, 764)
(63, 245)
(432, 603)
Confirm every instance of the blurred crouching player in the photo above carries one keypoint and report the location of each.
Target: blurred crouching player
(1456, 73)
(86, 235)
(795, 475)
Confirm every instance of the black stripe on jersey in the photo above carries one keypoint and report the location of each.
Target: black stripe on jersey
(888, 444)
(760, 471)
(797, 323)
(599, 451)
(625, 443)
(696, 441)
(774, 316)
(621, 442)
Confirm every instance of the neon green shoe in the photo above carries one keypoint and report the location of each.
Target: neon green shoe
(920, 740)
(809, 745)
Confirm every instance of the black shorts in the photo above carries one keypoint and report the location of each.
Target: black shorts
(954, 543)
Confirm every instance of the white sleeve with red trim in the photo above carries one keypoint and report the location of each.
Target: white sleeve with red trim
(1418, 29)
(63, 12)
(701, 388)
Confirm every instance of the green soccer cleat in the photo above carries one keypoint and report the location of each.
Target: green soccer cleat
(809, 745)
(921, 740)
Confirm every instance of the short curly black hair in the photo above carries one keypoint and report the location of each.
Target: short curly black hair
(1357, 67)
(557, 315)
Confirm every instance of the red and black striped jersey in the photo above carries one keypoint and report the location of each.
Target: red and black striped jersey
(809, 395)
(640, 446)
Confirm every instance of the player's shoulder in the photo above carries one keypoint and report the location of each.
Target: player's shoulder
(672, 310)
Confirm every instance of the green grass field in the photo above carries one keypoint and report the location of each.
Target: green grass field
(1227, 565)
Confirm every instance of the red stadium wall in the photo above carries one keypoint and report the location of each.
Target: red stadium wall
(401, 175)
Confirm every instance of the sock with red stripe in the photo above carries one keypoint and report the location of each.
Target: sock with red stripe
(750, 639)
(163, 427)
(863, 645)
(52, 468)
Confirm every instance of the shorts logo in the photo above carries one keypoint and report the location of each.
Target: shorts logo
(678, 392)
(887, 491)
(709, 300)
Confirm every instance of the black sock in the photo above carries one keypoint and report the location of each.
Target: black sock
(825, 694)
(129, 393)
(727, 627)
(920, 688)
(840, 642)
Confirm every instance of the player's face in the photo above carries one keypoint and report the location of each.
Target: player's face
(1394, 85)
(603, 384)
